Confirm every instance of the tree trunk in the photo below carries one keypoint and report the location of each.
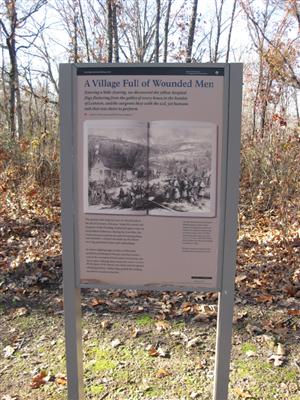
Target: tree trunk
(167, 21)
(87, 47)
(75, 23)
(230, 30)
(109, 31)
(19, 104)
(191, 32)
(295, 95)
(264, 107)
(115, 32)
(5, 105)
(157, 31)
(219, 24)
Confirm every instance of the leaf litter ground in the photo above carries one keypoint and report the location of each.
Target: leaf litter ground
(145, 345)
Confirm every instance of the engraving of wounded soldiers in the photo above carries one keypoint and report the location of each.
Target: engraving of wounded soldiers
(165, 192)
(134, 196)
(158, 193)
(180, 189)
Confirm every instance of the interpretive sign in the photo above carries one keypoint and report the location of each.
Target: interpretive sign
(150, 144)
(150, 165)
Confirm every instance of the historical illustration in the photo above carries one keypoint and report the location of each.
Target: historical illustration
(182, 168)
(117, 166)
(157, 168)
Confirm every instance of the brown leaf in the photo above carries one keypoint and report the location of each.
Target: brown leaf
(21, 311)
(186, 307)
(201, 317)
(137, 309)
(96, 302)
(162, 325)
(242, 394)
(31, 192)
(264, 298)
(61, 379)
(105, 324)
(162, 373)
(135, 332)
(201, 364)
(152, 351)
(39, 379)
(294, 312)
(290, 290)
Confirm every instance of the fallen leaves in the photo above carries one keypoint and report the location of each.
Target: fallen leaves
(294, 312)
(264, 298)
(242, 394)
(202, 364)
(8, 351)
(39, 379)
(135, 332)
(61, 379)
(268, 273)
(254, 330)
(162, 373)
(162, 326)
(20, 312)
(280, 350)
(115, 343)
(105, 324)
(96, 302)
(43, 377)
(158, 351)
(193, 342)
(277, 360)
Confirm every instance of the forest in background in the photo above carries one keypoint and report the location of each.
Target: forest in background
(35, 36)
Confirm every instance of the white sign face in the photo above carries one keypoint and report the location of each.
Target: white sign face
(149, 146)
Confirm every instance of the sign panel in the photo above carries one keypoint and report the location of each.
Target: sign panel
(150, 148)
(149, 186)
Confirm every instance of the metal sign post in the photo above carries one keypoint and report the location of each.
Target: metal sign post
(226, 295)
(121, 199)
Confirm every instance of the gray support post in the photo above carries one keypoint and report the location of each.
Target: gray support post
(226, 296)
(72, 303)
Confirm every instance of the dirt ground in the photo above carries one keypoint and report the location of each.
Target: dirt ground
(142, 345)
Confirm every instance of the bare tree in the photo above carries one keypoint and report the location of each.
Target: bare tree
(271, 28)
(285, 49)
(218, 14)
(10, 25)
